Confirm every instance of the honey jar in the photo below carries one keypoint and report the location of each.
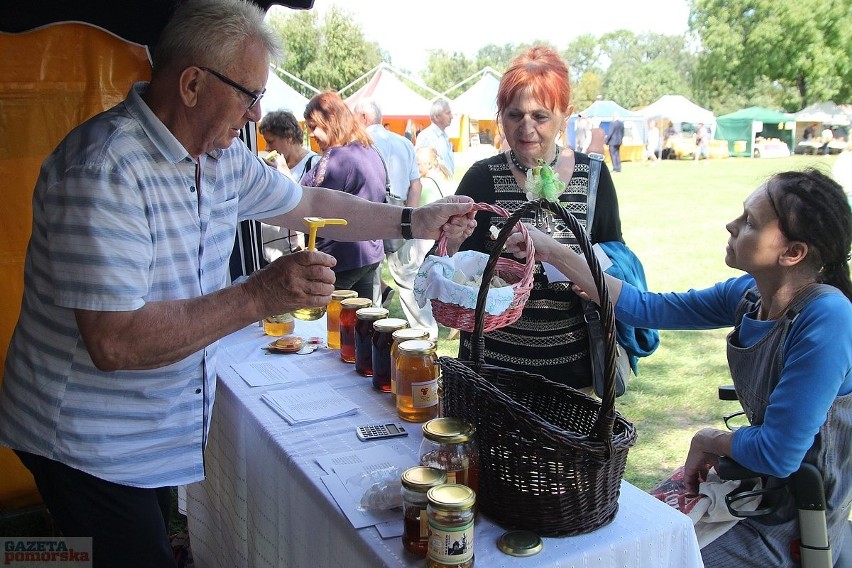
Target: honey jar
(382, 341)
(416, 481)
(417, 381)
(279, 325)
(399, 336)
(333, 316)
(450, 512)
(348, 309)
(448, 444)
(364, 319)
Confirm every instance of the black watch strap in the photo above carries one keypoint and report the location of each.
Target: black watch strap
(405, 223)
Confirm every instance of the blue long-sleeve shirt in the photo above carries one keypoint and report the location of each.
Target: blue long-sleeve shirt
(817, 363)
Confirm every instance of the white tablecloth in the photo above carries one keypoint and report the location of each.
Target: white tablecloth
(263, 503)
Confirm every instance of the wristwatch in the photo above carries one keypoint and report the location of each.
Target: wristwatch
(405, 223)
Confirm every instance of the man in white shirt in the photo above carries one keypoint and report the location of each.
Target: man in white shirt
(435, 135)
(401, 163)
(396, 151)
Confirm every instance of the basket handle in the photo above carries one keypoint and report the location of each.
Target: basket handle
(441, 249)
(602, 429)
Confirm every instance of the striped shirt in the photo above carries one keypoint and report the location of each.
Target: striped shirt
(118, 222)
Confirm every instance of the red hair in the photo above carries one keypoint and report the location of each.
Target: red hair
(540, 71)
(328, 111)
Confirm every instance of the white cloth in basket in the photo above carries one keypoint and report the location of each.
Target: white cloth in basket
(434, 280)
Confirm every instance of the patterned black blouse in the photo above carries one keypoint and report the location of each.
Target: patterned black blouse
(550, 338)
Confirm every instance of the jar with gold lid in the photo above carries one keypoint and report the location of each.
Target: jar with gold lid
(333, 316)
(449, 445)
(417, 381)
(348, 308)
(364, 319)
(282, 324)
(383, 330)
(450, 512)
(399, 336)
(416, 481)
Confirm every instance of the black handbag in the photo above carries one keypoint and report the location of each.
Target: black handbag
(391, 245)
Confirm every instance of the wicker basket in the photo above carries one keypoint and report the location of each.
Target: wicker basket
(518, 275)
(551, 458)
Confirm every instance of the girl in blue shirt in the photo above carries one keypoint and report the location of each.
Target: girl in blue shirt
(790, 350)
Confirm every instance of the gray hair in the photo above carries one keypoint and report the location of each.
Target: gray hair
(439, 106)
(370, 109)
(212, 32)
(282, 123)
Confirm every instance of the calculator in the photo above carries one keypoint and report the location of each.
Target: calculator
(379, 431)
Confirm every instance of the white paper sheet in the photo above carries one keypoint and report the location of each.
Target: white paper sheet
(280, 369)
(301, 405)
(343, 482)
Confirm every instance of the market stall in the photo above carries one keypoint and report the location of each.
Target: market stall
(756, 132)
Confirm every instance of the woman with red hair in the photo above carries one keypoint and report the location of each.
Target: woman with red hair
(348, 163)
(533, 107)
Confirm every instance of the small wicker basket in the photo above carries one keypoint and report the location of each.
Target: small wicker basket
(551, 458)
(518, 275)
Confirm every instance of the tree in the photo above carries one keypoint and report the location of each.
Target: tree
(777, 47)
(496, 56)
(443, 70)
(327, 55)
(644, 67)
(586, 90)
(583, 55)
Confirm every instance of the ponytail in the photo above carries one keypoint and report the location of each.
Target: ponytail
(814, 209)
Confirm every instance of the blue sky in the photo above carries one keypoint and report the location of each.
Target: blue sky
(407, 29)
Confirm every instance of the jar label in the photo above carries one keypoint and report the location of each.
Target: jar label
(424, 524)
(425, 394)
(451, 545)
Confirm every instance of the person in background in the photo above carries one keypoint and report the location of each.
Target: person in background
(398, 156)
(435, 135)
(826, 137)
(283, 135)
(349, 163)
(791, 342)
(614, 140)
(653, 144)
(404, 263)
(410, 131)
(533, 105)
(702, 143)
(110, 373)
(584, 134)
(668, 142)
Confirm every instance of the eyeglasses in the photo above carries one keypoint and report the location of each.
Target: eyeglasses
(254, 97)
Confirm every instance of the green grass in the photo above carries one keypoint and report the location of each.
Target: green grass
(673, 216)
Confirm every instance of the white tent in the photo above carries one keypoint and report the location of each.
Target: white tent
(281, 96)
(823, 113)
(479, 101)
(678, 108)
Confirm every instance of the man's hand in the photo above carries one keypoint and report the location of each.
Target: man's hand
(299, 280)
(452, 215)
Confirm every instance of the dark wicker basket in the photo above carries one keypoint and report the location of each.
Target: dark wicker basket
(551, 457)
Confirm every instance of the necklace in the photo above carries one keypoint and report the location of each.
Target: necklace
(525, 169)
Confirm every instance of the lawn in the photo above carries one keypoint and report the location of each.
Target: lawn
(673, 216)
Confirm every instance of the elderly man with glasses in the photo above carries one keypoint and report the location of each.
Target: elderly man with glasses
(111, 370)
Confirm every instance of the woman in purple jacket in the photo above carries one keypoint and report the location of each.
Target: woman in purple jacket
(348, 163)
